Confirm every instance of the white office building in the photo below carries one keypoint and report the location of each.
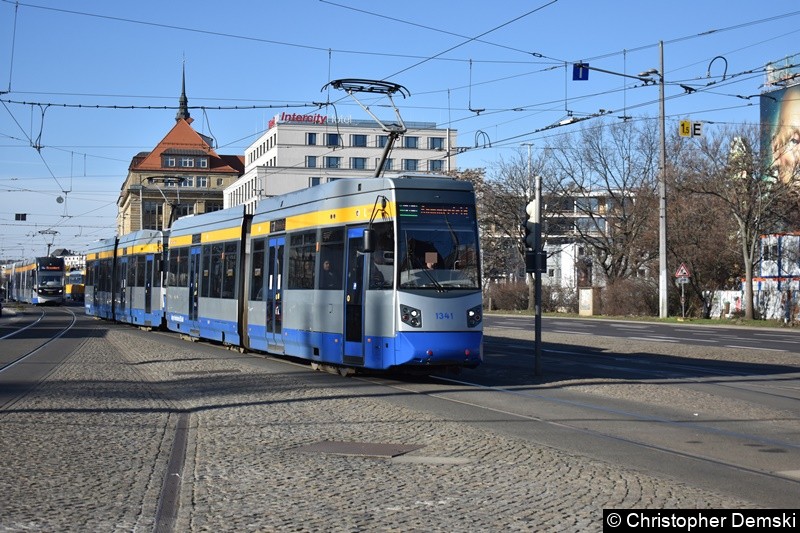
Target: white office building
(299, 151)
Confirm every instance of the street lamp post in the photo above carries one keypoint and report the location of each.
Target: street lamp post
(662, 189)
(169, 180)
(662, 193)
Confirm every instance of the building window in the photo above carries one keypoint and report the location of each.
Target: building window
(332, 139)
(213, 206)
(436, 165)
(220, 182)
(410, 142)
(181, 210)
(169, 161)
(436, 143)
(359, 163)
(188, 181)
(770, 252)
(358, 140)
(203, 162)
(333, 162)
(410, 164)
(311, 139)
(314, 181)
(387, 165)
(151, 214)
(202, 182)
(383, 140)
(311, 161)
(187, 162)
(587, 205)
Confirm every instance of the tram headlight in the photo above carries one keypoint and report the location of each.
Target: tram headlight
(474, 316)
(411, 316)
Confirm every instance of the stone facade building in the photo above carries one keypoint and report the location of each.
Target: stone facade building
(182, 175)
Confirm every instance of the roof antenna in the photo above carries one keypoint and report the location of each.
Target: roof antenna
(395, 129)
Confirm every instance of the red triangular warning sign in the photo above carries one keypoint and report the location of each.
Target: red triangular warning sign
(682, 272)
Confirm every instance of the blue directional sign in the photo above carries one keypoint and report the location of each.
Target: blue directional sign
(580, 71)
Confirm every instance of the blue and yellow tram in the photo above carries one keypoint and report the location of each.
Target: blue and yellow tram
(373, 273)
(124, 279)
(101, 279)
(38, 281)
(368, 273)
(74, 286)
(139, 299)
(205, 273)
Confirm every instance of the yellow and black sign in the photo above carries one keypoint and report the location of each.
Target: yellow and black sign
(690, 129)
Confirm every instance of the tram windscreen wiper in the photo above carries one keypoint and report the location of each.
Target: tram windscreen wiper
(439, 286)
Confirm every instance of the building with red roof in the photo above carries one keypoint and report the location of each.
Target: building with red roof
(182, 175)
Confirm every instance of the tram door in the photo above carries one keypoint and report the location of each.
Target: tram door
(194, 281)
(354, 299)
(274, 293)
(148, 283)
(122, 283)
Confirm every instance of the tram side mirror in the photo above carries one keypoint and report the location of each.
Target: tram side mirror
(369, 241)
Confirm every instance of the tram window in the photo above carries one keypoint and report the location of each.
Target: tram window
(331, 258)
(140, 260)
(212, 273)
(120, 280)
(229, 268)
(257, 272)
(157, 270)
(172, 268)
(381, 273)
(302, 256)
(205, 270)
(183, 268)
(127, 274)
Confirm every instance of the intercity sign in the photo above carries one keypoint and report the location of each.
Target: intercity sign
(316, 118)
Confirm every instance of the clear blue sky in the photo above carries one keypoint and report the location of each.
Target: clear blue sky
(244, 53)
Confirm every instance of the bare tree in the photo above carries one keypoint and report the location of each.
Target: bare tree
(498, 222)
(731, 167)
(608, 172)
(502, 198)
(702, 236)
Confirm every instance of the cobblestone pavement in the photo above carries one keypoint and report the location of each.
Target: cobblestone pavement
(88, 450)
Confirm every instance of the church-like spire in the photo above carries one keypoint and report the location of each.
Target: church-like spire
(183, 110)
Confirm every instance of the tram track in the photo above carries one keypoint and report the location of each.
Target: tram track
(23, 348)
(514, 406)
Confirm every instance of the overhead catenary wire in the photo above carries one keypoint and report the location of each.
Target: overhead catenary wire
(497, 112)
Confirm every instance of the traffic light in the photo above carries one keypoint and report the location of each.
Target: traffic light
(529, 234)
(530, 227)
(535, 258)
(535, 262)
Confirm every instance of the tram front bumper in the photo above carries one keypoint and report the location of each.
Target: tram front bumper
(461, 348)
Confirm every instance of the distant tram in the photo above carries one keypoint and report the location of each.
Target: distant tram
(372, 273)
(38, 281)
(74, 288)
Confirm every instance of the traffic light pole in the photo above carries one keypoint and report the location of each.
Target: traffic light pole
(537, 283)
(535, 264)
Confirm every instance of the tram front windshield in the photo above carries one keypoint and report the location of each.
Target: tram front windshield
(50, 279)
(438, 246)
